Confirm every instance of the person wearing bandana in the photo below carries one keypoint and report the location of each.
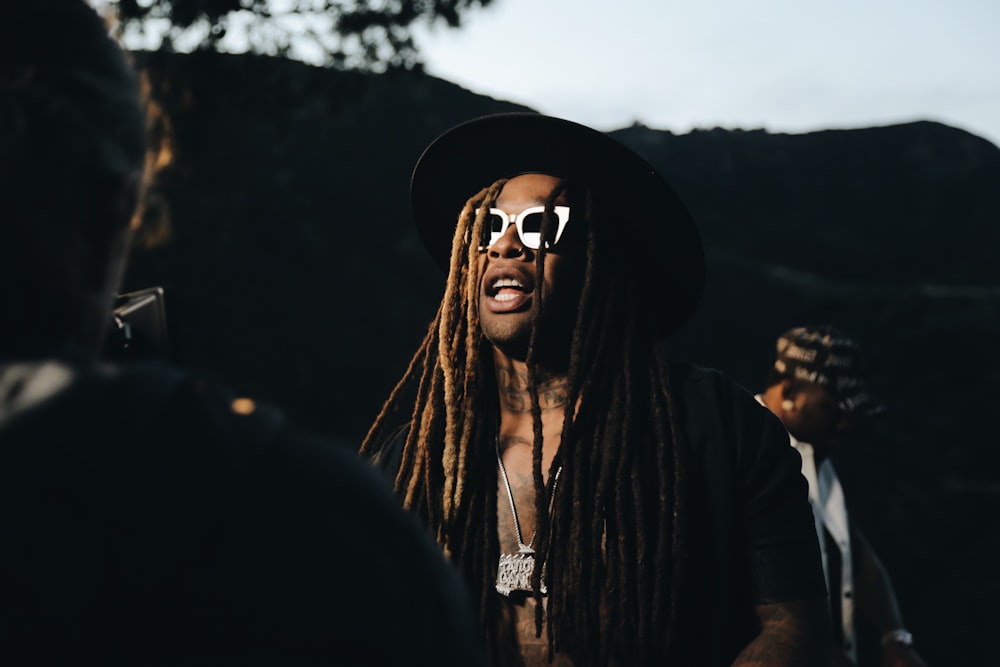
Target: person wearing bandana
(818, 390)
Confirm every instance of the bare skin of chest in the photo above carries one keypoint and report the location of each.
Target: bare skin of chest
(534, 650)
(517, 462)
(515, 449)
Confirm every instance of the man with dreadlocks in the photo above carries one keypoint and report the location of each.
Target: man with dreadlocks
(606, 506)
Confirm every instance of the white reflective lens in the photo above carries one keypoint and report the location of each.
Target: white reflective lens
(528, 224)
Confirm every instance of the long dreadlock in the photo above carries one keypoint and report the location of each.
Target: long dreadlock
(612, 540)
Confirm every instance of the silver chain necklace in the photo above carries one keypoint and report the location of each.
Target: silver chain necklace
(514, 570)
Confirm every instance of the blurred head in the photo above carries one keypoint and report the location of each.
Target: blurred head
(72, 141)
(817, 385)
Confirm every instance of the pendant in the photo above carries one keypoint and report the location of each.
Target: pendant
(515, 570)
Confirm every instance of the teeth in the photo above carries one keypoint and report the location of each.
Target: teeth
(507, 282)
(505, 297)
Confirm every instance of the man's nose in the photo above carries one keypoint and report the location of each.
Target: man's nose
(508, 245)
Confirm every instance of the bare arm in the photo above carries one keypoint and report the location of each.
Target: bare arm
(792, 634)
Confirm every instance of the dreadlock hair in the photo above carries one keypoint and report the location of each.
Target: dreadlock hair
(612, 543)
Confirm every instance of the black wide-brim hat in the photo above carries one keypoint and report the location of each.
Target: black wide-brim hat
(476, 153)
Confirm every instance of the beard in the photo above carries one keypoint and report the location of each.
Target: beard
(511, 334)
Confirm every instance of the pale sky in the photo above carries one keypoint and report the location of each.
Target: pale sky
(782, 65)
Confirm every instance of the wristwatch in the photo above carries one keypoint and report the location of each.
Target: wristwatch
(897, 636)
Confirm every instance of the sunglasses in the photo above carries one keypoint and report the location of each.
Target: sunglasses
(528, 224)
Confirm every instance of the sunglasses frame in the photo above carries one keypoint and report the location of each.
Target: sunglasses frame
(561, 212)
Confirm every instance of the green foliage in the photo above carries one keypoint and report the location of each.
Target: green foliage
(374, 35)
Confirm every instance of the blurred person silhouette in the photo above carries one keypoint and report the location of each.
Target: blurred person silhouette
(149, 517)
(606, 505)
(817, 388)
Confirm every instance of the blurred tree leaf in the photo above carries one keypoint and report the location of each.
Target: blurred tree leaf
(373, 35)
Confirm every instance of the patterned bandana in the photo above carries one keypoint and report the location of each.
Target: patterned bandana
(829, 358)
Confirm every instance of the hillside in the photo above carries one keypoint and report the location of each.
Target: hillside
(292, 273)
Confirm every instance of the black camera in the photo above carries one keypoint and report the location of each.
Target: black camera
(138, 329)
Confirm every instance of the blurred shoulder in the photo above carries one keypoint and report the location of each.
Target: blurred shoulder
(705, 385)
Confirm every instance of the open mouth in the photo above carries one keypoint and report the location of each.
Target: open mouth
(506, 291)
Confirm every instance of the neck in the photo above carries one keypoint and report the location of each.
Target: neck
(516, 435)
(514, 391)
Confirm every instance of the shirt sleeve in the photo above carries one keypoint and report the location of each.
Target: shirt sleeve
(785, 562)
(755, 502)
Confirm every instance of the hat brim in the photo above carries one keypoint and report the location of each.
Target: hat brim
(476, 153)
